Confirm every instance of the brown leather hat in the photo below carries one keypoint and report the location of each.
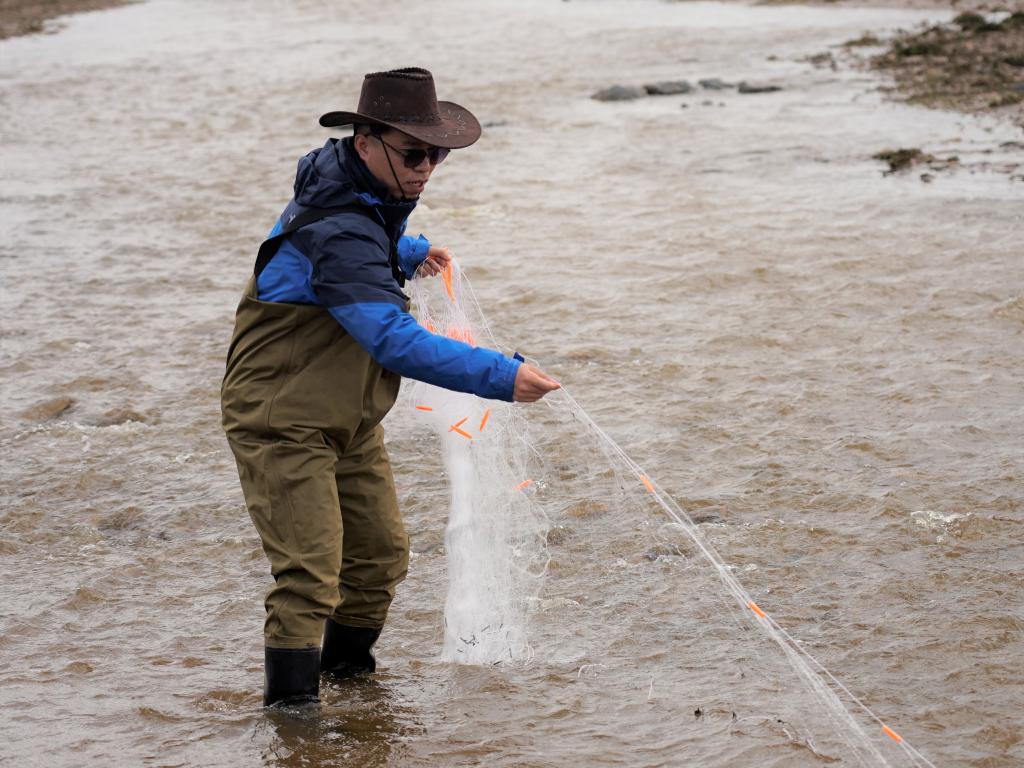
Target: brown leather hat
(405, 99)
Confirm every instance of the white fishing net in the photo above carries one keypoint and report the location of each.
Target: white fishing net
(541, 490)
(495, 539)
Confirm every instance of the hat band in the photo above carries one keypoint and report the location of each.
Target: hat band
(434, 119)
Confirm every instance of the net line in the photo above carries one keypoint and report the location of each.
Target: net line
(793, 650)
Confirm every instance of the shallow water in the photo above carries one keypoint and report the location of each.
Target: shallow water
(821, 361)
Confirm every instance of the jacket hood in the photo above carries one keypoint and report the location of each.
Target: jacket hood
(334, 175)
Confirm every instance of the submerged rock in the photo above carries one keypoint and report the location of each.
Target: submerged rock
(746, 87)
(587, 508)
(663, 550)
(558, 535)
(49, 410)
(620, 93)
(668, 88)
(707, 517)
(117, 416)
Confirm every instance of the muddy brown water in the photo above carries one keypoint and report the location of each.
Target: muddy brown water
(821, 363)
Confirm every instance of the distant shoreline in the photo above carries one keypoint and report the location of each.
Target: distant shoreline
(957, 69)
(978, 6)
(29, 17)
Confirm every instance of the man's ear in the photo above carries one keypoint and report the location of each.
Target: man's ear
(360, 142)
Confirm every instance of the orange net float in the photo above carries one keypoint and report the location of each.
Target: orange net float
(524, 485)
(647, 483)
(754, 607)
(458, 423)
(461, 334)
(462, 432)
(446, 275)
(483, 421)
(424, 408)
(892, 734)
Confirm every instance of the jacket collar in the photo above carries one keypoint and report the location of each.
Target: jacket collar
(376, 194)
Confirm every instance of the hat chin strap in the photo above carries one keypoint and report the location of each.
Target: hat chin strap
(387, 156)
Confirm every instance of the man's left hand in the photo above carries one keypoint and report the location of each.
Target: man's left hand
(438, 257)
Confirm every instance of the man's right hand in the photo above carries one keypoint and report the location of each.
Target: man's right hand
(532, 384)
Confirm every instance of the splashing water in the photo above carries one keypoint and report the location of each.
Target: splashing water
(495, 535)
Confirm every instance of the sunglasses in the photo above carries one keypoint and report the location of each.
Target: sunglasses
(415, 157)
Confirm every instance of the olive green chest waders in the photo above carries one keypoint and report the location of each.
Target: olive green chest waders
(302, 403)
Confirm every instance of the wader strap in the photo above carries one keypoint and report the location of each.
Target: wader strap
(270, 246)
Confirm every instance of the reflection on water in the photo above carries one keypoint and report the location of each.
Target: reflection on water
(819, 363)
(356, 723)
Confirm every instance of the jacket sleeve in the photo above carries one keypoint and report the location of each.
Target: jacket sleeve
(411, 253)
(352, 279)
(399, 343)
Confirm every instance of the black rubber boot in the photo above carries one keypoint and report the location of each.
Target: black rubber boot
(292, 676)
(346, 650)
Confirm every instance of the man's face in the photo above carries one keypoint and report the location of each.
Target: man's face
(391, 145)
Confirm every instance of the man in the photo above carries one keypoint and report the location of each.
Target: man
(322, 337)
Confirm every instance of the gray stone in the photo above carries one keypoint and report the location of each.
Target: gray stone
(746, 87)
(707, 517)
(620, 93)
(715, 84)
(668, 88)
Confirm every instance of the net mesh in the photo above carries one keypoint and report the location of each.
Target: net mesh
(541, 491)
(495, 538)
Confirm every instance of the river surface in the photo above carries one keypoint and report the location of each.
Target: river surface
(820, 363)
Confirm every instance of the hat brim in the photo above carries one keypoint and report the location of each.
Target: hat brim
(458, 127)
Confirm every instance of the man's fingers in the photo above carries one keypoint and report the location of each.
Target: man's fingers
(429, 267)
(548, 381)
(438, 257)
(440, 254)
(532, 384)
(543, 380)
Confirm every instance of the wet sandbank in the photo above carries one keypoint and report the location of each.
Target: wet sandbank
(28, 17)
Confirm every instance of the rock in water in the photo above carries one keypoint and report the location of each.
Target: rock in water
(620, 93)
(668, 88)
(746, 87)
(715, 84)
(902, 159)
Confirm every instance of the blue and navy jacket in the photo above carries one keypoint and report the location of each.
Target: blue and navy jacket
(344, 263)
